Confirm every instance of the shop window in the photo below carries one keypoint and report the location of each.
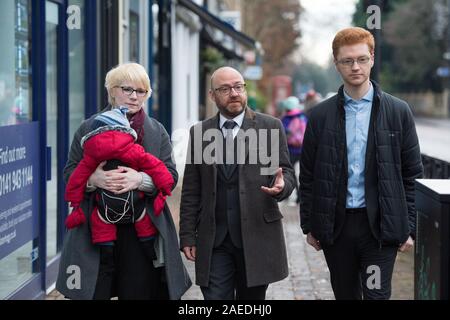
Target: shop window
(77, 78)
(15, 89)
(16, 267)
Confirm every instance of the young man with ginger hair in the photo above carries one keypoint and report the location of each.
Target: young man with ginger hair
(359, 161)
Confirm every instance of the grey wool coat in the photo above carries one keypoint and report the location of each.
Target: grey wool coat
(78, 249)
(262, 231)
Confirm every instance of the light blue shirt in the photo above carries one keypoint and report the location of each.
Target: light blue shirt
(357, 119)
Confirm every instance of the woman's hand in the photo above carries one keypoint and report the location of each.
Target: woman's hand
(98, 178)
(119, 181)
(124, 179)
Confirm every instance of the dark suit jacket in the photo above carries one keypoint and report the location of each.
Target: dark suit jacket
(262, 232)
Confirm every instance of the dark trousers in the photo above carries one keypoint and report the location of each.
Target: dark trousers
(359, 268)
(227, 280)
(126, 270)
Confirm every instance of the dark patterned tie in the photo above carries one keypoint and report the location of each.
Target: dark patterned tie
(229, 125)
(228, 143)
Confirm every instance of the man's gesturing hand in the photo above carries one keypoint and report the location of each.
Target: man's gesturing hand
(278, 185)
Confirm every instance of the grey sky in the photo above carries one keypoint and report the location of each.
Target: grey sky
(319, 22)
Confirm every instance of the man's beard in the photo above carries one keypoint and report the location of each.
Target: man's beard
(228, 111)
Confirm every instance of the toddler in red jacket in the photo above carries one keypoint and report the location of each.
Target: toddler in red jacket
(113, 140)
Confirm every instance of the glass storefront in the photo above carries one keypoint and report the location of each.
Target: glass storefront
(19, 266)
(15, 33)
(51, 27)
(62, 57)
(15, 108)
(77, 79)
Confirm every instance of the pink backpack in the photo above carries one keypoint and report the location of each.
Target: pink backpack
(296, 131)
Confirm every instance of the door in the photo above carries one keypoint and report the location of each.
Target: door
(56, 130)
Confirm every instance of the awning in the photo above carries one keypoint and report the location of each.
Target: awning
(215, 22)
(229, 54)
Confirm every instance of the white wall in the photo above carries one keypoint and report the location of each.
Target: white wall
(185, 80)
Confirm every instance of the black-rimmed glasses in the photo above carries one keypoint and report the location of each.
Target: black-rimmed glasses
(226, 90)
(350, 62)
(129, 91)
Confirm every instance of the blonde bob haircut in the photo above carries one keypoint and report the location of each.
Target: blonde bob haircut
(131, 72)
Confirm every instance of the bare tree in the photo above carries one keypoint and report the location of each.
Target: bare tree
(275, 24)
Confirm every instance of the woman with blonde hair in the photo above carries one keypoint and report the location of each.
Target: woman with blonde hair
(134, 274)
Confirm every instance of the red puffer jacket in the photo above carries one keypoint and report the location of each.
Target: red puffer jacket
(118, 145)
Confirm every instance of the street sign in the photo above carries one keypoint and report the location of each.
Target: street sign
(253, 73)
(19, 186)
(443, 72)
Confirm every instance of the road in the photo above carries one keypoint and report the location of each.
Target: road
(434, 137)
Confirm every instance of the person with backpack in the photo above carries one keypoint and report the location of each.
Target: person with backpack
(113, 140)
(294, 122)
(135, 275)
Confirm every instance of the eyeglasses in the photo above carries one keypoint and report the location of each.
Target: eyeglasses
(349, 62)
(226, 90)
(129, 91)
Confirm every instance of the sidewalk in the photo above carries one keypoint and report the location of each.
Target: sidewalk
(308, 273)
(309, 277)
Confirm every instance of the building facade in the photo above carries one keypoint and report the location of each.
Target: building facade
(56, 54)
